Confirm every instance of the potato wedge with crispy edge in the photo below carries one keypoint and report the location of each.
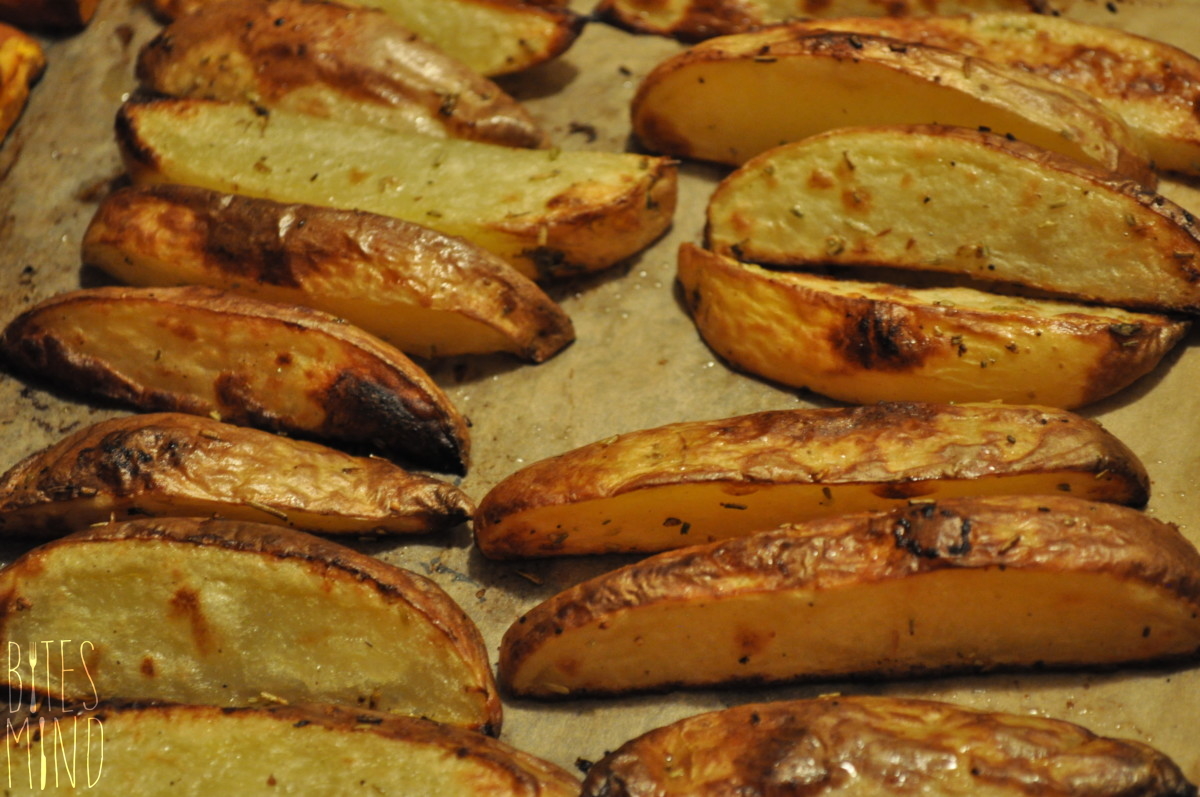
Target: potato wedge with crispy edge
(492, 37)
(722, 100)
(864, 342)
(702, 481)
(226, 613)
(959, 585)
(1152, 86)
(205, 352)
(308, 749)
(335, 61)
(547, 212)
(945, 199)
(21, 64)
(425, 292)
(48, 14)
(866, 745)
(170, 464)
(695, 20)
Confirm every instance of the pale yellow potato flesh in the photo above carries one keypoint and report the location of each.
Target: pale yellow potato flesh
(352, 64)
(21, 64)
(942, 199)
(176, 465)
(492, 37)
(426, 293)
(547, 212)
(730, 98)
(864, 342)
(693, 20)
(859, 746)
(206, 352)
(960, 585)
(702, 481)
(200, 751)
(1152, 86)
(224, 613)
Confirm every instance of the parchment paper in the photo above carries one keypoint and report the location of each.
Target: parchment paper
(638, 362)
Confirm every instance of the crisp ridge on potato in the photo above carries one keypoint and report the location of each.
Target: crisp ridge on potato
(171, 464)
(730, 98)
(932, 198)
(21, 64)
(547, 212)
(694, 20)
(868, 745)
(959, 585)
(205, 352)
(701, 481)
(492, 38)
(225, 613)
(426, 293)
(326, 59)
(307, 749)
(863, 342)
(1152, 86)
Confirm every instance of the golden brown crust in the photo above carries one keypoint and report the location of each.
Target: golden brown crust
(758, 600)
(894, 451)
(21, 64)
(278, 366)
(426, 293)
(260, 548)
(865, 745)
(866, 341)
(165, 464)
(331, 60)
(688, 105)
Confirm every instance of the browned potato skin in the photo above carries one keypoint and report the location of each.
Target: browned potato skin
(864, 342)
(695, 20)
(331, 60)
(865, 458)
(680, 111)
(21, 64)
(280, 367)
(366, 268)
(960, 585)
(865, 745)
(254, 548)
(50, 14)
(312, 748)
(1153, 86)
(492, 37)
(171, 464)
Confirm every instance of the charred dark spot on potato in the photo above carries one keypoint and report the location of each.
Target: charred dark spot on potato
(931, 533)
(902, 490)
(147, 667)
(880, 336)
(185, 605)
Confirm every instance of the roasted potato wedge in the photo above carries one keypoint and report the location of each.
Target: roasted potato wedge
(425, 292)
(866, 745)
(21, 64)
(932, 198)
(702, 481)
(722, 100)
(492, 37)
(547, 212)
(959, 585)
(205, 352)
(335, 61)
(1152, 86)
(170, 464)
(864, 342)
(151, 750)
(225, 613)
(48, 14)
(694, 20)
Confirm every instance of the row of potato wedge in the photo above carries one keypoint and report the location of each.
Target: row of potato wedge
(926, 224)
